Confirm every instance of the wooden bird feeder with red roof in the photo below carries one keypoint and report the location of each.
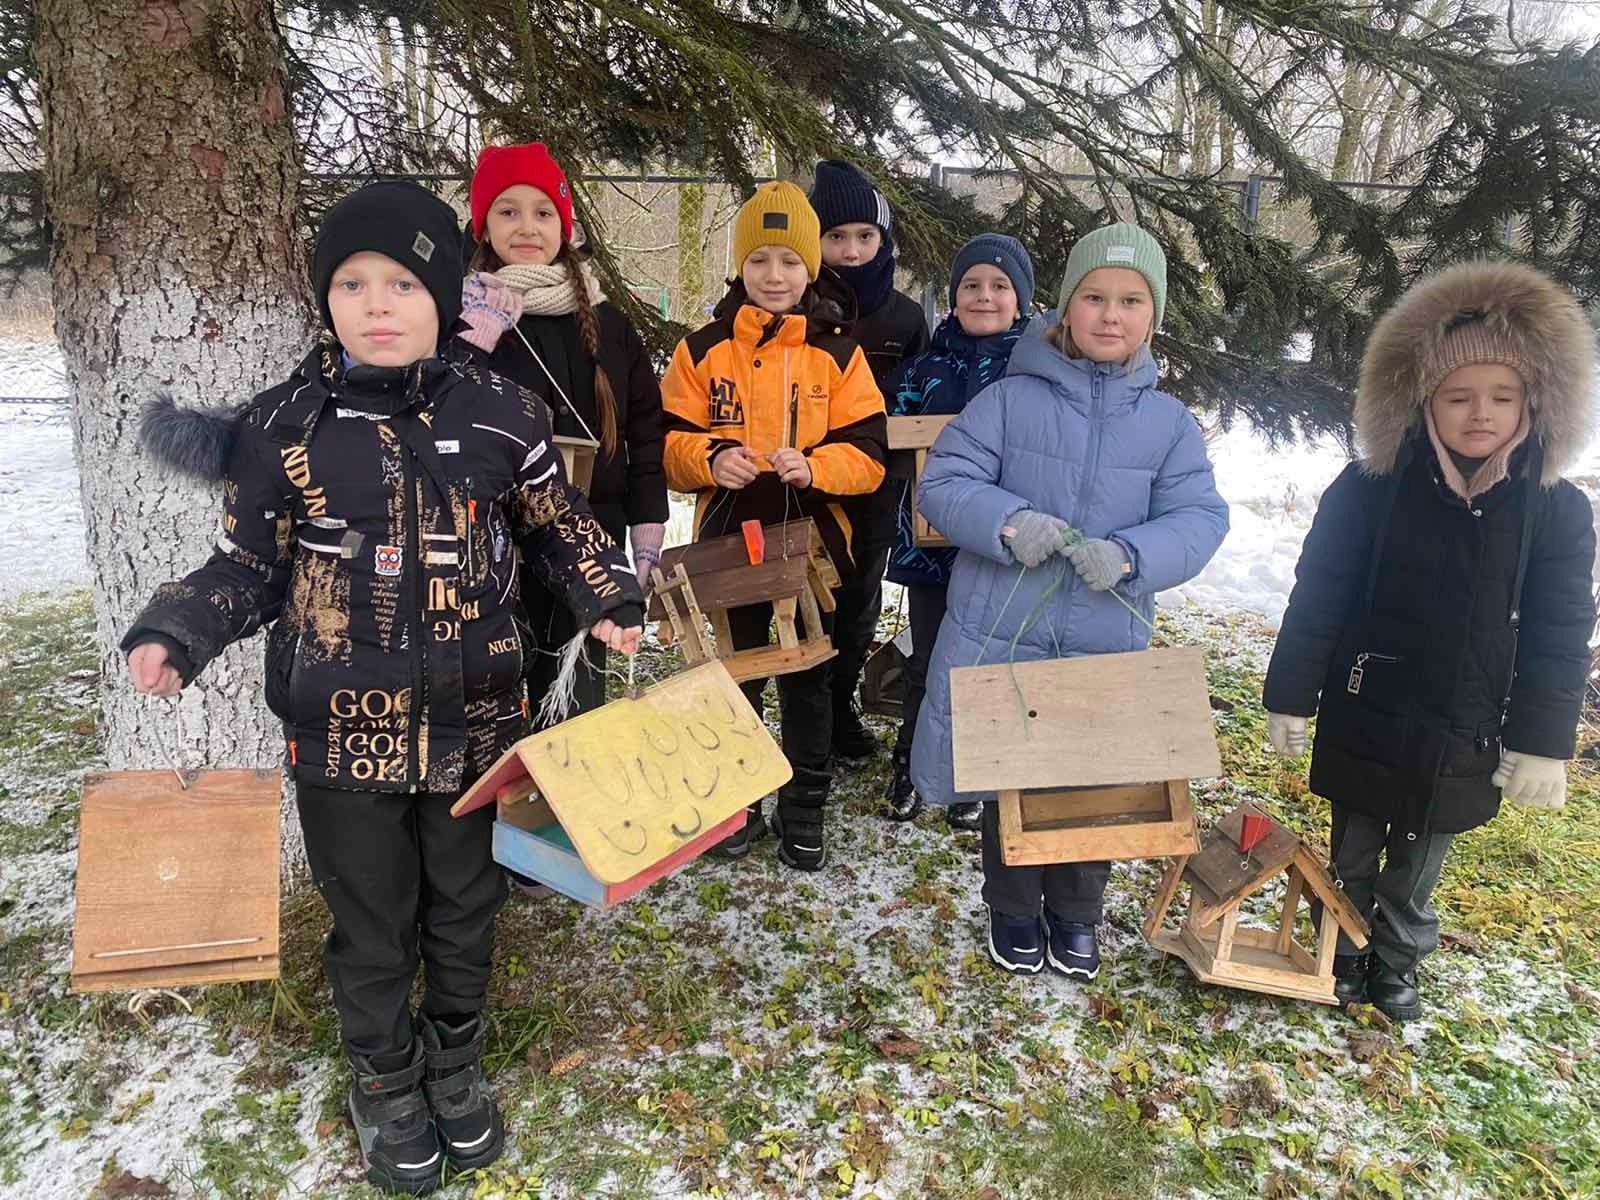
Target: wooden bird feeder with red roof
(1241, 857)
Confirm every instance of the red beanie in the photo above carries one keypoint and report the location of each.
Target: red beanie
(502, 167)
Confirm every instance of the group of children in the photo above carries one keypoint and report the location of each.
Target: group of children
(396, 512)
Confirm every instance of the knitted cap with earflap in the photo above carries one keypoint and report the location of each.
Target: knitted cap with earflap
(778, 215)
(1120, 245)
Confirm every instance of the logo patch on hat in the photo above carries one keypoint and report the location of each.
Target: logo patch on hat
(1119, 254)
(386, 560)
(562, 191)
(422, 247)
(774, 220)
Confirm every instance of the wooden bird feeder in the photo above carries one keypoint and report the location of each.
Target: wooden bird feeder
(916, 435)
(577, 456)
(603, 805)
(177, 879)
(1091, 757)
(1240, 857)
(699, 583)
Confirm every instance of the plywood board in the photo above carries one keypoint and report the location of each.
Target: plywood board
(636, 780)
(1023, 847)
(1223, 874)
(176, 883)
(1083, 722)
(916, 433)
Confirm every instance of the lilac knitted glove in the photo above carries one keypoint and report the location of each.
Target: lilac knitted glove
(646, 542)
(489, 308)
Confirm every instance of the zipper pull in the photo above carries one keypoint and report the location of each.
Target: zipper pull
(1356, 674)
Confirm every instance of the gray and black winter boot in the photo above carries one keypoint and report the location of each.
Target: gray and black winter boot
(399, 1144)
(470, 1127)
(798, 820)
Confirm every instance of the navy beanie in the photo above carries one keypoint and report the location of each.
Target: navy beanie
(997, 250)
(405, 222)
(842, 195)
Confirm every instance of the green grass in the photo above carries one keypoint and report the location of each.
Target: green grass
(743, 1031)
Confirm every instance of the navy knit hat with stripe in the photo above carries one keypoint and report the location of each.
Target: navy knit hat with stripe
(842, 195)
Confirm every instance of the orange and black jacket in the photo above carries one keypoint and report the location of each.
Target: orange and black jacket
(753, 378)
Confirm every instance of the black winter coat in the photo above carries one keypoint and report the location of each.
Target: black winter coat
(894, 333)
(1401, 619)
(380, 509)
(629, 487)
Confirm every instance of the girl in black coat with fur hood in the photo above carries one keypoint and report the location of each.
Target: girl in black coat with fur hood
(1439, 625)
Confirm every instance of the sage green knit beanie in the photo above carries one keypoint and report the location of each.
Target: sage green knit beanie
(1120, 245)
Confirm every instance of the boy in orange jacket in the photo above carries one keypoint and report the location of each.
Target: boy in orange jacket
(772, 414)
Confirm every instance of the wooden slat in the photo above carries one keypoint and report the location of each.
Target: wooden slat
(1152, 839)
(1332, 896)
(1098, 719)
(173, 881)
(783, 615)
(1327, 943)
(722, 630)
(915, 433)
(1291, 908)
(242, 970)
(1165, 894)
(769, 661)
(1254, 967)
(1082, 808)
(923, 534)
(788, 539)
(811, 612)
(1226, 928)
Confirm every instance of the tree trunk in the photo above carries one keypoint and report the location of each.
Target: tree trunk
(1354, 95)
(172, 179)
(1205, 107)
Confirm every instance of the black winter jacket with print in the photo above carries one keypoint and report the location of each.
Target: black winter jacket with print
(382, 511)
(1398, 637)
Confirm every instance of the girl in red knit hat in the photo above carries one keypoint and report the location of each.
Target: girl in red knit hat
(535, 314)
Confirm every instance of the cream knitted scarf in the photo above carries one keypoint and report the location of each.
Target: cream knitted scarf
(547, 291)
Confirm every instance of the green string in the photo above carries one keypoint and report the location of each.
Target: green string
(1069, 538)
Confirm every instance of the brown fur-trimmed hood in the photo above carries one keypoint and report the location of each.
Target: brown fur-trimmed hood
(1553, 336)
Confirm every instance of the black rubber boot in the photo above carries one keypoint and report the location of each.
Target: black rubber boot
(902, 803)
(852, 740)
(965, 816)
(798, 820)
(1350, 978)
(470, 1127)
(740, 842)
(399, 1144)
(1394, 993)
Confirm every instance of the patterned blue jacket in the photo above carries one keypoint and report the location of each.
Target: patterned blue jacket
(939, 382)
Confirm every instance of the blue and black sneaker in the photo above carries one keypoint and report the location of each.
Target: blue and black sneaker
(1016, 944)
(1073, 950)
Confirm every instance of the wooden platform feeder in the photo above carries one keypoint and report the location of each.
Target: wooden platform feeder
(1241, 856)
(699, 583)
(577, 456)
(1090, 757)
(603, 805)
(915, 436)
(177, 879)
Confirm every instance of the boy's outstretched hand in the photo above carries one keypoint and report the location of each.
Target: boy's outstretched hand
(150, 672)
(735, 468)
(624, 641)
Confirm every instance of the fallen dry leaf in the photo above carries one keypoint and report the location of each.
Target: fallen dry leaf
(895, 1044)
(126, 1183)
(570, 1063)
(1368, 1044)
(328, 1128)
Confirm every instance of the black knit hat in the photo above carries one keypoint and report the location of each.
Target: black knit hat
(405, 222)
(842, 195)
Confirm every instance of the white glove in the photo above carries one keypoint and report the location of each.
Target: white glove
(1288, 734)
(1531, 781)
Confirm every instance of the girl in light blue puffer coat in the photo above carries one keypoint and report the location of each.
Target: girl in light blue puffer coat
(1074, 438)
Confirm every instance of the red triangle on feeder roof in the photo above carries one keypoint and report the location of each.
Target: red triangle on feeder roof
(1254, 828)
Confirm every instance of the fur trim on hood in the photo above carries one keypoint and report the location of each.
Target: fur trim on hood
(193, 441)
(1554, 339)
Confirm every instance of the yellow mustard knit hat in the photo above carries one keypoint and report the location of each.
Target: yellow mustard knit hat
(778, 215)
